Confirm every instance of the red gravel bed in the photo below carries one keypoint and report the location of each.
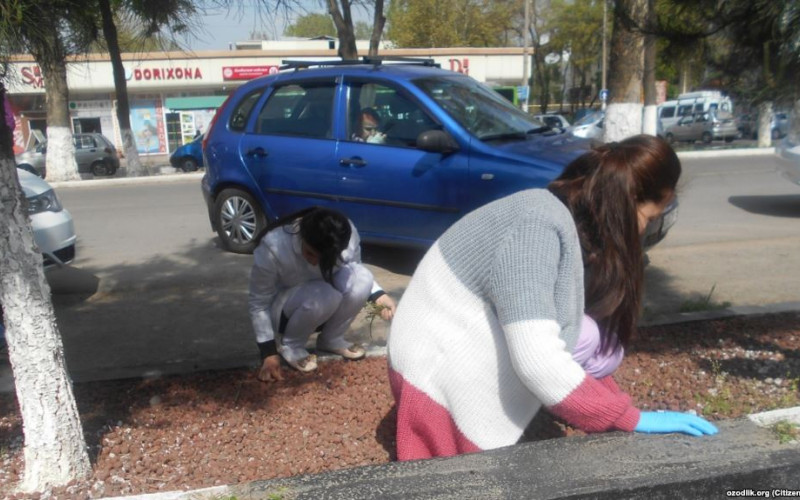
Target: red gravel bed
(188, 432)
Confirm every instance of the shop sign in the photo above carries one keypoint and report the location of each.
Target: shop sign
(461, 66)
(247, 72)
(167, 74)
(32, 75)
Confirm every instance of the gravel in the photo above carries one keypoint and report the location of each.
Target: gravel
(225, 427)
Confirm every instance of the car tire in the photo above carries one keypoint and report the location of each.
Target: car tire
(188, 164)
(100, 168)
(729, 139)
(707, 138)
(238, 219)
(670, 138)
(776, 134)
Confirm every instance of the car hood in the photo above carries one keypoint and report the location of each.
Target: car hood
(557, 148)
(32, 185)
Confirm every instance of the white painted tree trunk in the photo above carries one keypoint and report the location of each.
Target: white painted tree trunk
(60, 160)
(626, 72)
(650, 120)
(134, 166)
(623, 119)
(794, 124)
(55, 449)
(764, 122)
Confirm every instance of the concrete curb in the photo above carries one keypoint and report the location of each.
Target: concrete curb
(741, 457)
(717, 153)
(115, 181)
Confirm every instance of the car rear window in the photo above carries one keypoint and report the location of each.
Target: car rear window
(242, 111)
(303, 109)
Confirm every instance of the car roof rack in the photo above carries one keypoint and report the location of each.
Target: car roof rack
(373, 60)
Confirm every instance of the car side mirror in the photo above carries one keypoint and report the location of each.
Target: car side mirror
(436, 141)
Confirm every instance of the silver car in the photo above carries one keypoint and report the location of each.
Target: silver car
(93, 153)
(589, 127)
(703, 127)
(53, 229)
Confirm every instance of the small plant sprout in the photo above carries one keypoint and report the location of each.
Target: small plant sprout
(704, 303)
(373, 311)
(787, 432)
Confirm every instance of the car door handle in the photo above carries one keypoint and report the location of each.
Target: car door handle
(355, 161)
(487, 177)
(257, 153)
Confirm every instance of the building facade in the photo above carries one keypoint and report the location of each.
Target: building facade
(174, 95)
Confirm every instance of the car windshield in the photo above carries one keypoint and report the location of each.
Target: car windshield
(590, 118)
(479, 109)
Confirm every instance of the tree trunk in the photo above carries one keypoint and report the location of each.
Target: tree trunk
(764, 122)
(650, 120)
(624, 112)
(55, 449)
(60, 160)
(794, 123)
(378, 22)
(134, 165)
(344, 27)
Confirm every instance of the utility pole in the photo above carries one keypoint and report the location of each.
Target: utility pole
(525, 53)
(605, 52)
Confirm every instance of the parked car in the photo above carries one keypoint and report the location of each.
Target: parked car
(703, 127)
(747, 125)
(450, 144)
(53, 229)
(779, 125)
(554, 121)
(589, 127)
(188, 157)
(93, 152)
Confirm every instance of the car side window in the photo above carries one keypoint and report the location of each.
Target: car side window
(381, 114)
(84, 142)
(301, 110)
(241, 113)
(668, 112)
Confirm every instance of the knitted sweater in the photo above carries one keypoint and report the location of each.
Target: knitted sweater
(487, 324)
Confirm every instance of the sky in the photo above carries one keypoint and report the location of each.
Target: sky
(218, 28)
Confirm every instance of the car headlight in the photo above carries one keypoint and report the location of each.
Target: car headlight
(45, 202)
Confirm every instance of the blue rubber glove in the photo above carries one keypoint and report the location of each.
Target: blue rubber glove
(671, 421)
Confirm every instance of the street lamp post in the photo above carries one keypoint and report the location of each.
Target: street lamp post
(525, 53)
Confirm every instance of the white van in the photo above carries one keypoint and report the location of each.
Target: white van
(669, 112)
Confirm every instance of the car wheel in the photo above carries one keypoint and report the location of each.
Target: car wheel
(188, 164)
(670, 138)
(776, 134)
(238, 219)
(707, 138)
(100, 168)
(729, 139)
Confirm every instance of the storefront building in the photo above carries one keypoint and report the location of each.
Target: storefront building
(173, 96)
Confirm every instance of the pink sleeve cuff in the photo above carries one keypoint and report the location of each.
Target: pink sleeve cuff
(594, 407)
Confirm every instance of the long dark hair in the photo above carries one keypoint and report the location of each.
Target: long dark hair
(326, 231)
(602, 189)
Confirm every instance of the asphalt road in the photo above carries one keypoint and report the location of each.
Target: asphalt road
(150, 291)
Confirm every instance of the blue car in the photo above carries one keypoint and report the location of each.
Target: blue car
(445, 144)
(188, 157)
